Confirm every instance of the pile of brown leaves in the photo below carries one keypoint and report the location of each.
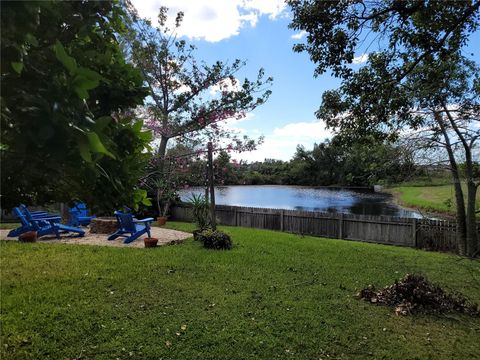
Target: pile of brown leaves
(414, 293)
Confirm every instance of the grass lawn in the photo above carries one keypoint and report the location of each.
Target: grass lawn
(9, 226)
(275, 295)
(429, 198)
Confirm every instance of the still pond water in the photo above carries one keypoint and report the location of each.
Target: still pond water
(345, 201)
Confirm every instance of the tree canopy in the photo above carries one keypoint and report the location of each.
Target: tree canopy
(188, 97)
(407, 32)
(66, 91)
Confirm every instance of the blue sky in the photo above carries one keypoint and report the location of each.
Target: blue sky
(257, 31)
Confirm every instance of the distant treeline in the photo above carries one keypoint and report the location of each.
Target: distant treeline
(333, 162)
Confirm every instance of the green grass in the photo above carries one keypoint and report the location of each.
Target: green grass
(275, 295)
(430, 198)
(9, 226)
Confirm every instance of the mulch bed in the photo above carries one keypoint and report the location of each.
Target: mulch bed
(415, 294)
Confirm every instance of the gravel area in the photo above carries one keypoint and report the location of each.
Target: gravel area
(164, 236)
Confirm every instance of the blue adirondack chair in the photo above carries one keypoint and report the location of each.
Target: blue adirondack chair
(127, 224)
(44, 225)
(36, 214)
(79, 215)
(26, 226)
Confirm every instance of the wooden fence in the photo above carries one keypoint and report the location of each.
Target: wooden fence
(419, 233)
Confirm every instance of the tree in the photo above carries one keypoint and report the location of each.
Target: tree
(224, 171)
(420, 82)
(66, 91)
(188, 98)
(182, 106)
(351, 162)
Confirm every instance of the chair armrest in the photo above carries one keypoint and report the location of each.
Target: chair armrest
(143, 220)
(41, 216)
(50, 218)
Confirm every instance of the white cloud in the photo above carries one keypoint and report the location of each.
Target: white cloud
(212, 20)
(360, 59)
(225, 85)
(299, 35)
(282, 142)
(231, 123)
(272, 8)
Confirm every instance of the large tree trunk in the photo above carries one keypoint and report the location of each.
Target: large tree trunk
(162, 150)
(472, 237)
(461, 218)
(471, 224)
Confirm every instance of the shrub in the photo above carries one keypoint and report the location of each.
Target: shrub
(217, 240)
(200, 208)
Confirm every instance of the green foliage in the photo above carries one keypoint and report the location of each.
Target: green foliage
(200, 207)
(410, 31)
(65, 91)
(252, 302)
(224, 171)
(140, 196)
(339, 161)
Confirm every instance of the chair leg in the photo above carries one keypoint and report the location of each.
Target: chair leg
(57, 233)
(17, 232)
(115, 235)
(134, 236)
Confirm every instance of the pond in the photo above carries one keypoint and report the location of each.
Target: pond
(347, 201)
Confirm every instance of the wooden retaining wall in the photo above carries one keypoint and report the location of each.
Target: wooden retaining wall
(419, 233)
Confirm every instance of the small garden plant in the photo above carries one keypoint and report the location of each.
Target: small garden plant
(211, 238)
(200, 211)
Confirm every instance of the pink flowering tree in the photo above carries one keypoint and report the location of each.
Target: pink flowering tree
(189, 101)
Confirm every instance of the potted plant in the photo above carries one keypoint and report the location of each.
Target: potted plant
(150, 242)
(200, 209)
(29, 236)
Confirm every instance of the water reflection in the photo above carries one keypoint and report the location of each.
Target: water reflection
(307, 199)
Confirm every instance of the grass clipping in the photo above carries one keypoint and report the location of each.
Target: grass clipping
(415, 294)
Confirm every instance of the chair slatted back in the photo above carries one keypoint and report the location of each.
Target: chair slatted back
(22, 217)
(25, 218)
(24, 209)
(81, 208)
(125, 221)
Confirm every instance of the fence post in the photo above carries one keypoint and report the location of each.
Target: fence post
(282, 226)
(414, 231)
(235, 216)
(340, 227)
(211, 185)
